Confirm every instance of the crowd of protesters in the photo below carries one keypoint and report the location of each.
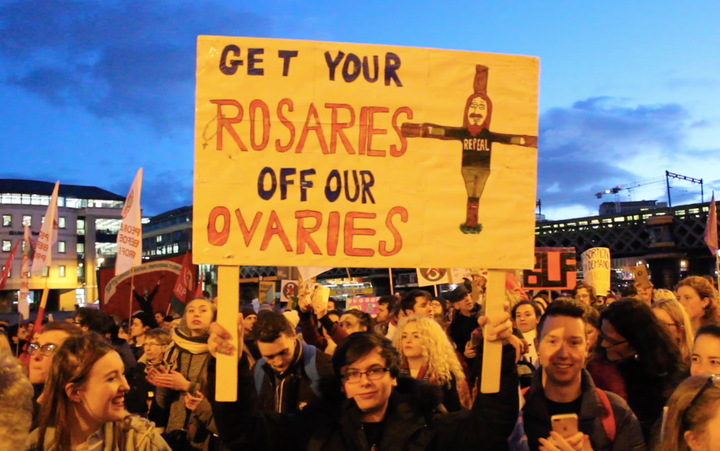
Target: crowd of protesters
(625, 372)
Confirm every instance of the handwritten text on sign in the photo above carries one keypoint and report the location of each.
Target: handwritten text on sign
(312, 154)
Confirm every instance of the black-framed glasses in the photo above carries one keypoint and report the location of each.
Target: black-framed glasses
(612, 342)
(712, 380)
(46, 350)
(353, 377)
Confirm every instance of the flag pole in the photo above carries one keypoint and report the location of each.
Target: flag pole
(17, 344)
(43, 303)
(392, 285)
(132, 290)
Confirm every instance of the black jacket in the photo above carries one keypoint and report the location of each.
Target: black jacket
(411, 421)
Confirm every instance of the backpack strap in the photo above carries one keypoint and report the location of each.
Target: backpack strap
(608, 416)
(309, 357)
(259, 374)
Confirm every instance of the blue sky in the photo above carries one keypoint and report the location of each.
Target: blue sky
(92, 90)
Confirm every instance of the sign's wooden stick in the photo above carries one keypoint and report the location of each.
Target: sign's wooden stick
(492, 352)
(227, 313)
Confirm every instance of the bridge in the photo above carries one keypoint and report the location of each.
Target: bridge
(664, 237)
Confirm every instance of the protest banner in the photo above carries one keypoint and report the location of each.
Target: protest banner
(304, 152)
(129, 237)
(23, 305)
(596, 269)
(42, 256)
(432, 276)
(153, 282)
(364, 304)
(555, 269)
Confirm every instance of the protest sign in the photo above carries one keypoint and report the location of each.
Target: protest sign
(596, 269)
(432, 276)
(288, 290)
(555, 269)
(364, 304)
(305, 151)
(266, 293)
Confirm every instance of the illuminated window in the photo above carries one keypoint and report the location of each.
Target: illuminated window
(62, 222)
(6, 246)
(62, 247)
(80, 248)
(7, 220)
(61, 271)
(27, 220)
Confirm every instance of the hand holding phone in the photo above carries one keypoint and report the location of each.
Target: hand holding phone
(566, 424)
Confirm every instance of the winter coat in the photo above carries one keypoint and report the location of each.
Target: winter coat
(292, 390)
(412, 420)
(134, 434)
(536, 419)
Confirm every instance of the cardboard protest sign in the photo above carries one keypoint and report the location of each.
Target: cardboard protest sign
(364, 304)
(458, 275)
(308, 154)
(596, 269)
(555, 269)
(266, 293)
(319, 297)
(432, 276)
(640, 274)
(288, 290)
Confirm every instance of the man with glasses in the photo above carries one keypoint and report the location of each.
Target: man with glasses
(41, 351)
(562, 386)
(368, 405)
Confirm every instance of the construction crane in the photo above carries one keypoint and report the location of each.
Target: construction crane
(627, 187)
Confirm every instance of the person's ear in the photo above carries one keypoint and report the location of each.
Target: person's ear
(72, 392)
(706, 303)
(394, 381)
(693, 440)
(409, 312)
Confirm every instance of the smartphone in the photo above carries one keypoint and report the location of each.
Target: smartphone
(565, 424)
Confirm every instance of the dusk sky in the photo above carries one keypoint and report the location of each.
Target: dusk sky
(93, 90)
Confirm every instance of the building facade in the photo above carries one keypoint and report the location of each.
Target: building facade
(88, 221)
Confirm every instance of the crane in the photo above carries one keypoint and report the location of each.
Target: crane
(627, 187)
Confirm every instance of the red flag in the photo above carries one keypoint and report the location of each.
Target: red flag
(711, 233)
(198, 290)
(184, 283)
(8, 266)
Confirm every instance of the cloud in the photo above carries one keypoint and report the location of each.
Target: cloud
(598, 143)
(161, 191)
(115, 59)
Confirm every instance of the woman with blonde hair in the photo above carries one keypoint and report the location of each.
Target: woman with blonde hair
(692, 422)
(700, 299)
(426, 353)
(673, 316)
(663, 293)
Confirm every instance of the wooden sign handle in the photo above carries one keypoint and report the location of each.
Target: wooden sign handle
(492, 352)
(228, 303)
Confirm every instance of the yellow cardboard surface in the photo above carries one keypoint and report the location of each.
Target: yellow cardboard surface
(279, 143)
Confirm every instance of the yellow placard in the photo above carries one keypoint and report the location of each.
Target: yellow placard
(352, 155)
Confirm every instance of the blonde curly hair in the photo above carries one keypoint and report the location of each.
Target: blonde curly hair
(438, 352)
